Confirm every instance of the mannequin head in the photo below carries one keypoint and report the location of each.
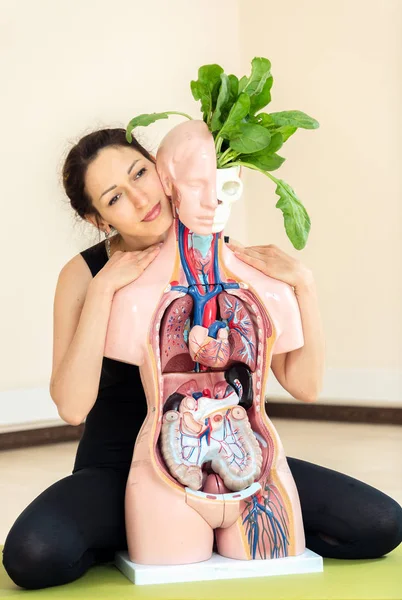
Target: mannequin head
(186, 164)
(114, 185)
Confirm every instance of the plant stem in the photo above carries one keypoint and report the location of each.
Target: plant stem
(241, 163)
(218, 144)
(223, 156)
(172, 112)
(231, 156)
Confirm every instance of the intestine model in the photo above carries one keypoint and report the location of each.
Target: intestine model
(210, 426)
(202, 326)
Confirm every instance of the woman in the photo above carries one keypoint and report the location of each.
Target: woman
(79, 521)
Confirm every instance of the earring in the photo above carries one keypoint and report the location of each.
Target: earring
(107, 243)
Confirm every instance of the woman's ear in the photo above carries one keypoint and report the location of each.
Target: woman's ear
(99, 225)
(91, 219)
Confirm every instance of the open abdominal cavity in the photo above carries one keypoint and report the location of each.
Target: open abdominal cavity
(207, 431)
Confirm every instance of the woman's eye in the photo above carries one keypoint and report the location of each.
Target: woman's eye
(112, 201)
(143, 169)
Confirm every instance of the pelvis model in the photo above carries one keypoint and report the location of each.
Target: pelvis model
(202, 326)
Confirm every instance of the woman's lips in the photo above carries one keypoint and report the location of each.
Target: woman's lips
(153, 213)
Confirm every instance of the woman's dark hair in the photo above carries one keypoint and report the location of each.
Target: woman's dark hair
(81, 155)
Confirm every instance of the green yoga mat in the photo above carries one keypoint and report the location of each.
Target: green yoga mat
(374, 579)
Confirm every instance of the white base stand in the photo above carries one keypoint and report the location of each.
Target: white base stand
(218, 567)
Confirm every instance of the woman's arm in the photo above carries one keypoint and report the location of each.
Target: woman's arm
(301, 371)
(81, 313)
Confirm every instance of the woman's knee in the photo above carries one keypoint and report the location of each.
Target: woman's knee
(33, 561)
(386, 530)
(25, 559)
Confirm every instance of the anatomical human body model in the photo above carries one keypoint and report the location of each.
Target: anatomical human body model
(203, 325)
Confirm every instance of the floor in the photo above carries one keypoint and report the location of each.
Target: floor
(371, 453)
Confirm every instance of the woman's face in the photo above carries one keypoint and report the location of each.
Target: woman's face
(126, 190)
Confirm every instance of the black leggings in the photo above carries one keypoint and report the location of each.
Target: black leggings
(79, 521)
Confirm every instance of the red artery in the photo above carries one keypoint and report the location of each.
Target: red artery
(186, 254)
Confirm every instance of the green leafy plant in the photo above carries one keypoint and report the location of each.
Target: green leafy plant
(243, 135)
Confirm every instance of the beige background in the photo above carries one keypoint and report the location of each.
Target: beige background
(68, 67)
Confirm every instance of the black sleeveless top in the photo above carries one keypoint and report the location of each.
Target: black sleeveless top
(114, 421)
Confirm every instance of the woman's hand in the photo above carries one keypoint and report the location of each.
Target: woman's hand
(124, 267)
(272, 261)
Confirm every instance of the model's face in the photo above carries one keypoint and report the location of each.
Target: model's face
(188, 169)
(195, 197)
(126, 190)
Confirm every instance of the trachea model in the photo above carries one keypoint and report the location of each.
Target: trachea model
(203, 326)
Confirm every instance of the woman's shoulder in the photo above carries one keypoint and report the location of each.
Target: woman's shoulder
(89, 261)
(86, 264)
(95, 257)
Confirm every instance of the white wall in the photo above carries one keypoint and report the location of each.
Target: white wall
(68, 67)
(341, 63)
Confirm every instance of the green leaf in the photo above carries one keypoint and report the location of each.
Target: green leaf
(258, 101)
(294, 118)
(242, 83)
(234, 88)
(260, 71)
(276, 142)
(286, 132)
(201, 92)
(215, 93)
(258, 85)
(233, 93)
(210, 74)
(263, 160)
(223, 99)
(237, 113)
(266, 159)
(263, 119)
(249, 138)
(206, 88)
(270, 123)
(143, 121)
(297, 221)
